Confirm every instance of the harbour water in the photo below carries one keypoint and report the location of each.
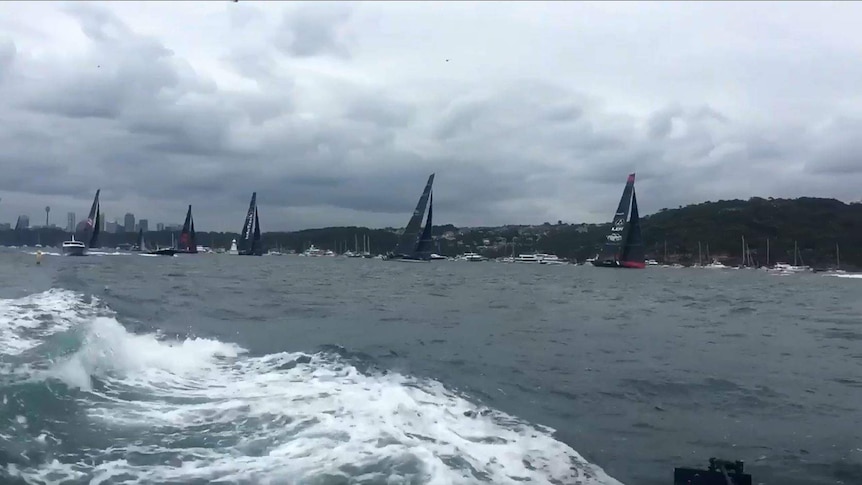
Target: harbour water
(130, 369)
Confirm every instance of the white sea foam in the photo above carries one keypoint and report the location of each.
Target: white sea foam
(104, 253)
(290, 418)
(25, 321)
(44, 253)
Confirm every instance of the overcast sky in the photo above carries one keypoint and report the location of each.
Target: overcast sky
(335, 113)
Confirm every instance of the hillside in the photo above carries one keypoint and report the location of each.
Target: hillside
(816, 225)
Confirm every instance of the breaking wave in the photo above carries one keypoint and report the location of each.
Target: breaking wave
(119, 407)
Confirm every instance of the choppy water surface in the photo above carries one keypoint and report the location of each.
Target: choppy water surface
(129, 369)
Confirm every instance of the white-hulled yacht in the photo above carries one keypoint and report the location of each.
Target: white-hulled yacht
(74, 248)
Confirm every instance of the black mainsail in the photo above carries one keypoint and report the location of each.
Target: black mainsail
(624, 245)
(187, 243)
(88, 231)
(249, 243)
(412, 245)
(94, 240)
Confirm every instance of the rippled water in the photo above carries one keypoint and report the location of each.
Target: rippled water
(130, 369)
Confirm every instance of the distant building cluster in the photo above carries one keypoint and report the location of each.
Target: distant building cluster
(128, 225)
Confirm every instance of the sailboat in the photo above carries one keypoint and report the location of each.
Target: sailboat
(188, 245)
(249, 240)
(416, 246)
(140, 244)
(624, 245)
(87, 232)
(142, 247)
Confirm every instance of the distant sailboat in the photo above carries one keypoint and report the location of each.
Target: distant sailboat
(87, 232)
(414, 246)
(188, 244)
(249, 240)
(140, 244)
(624, 245)
(159, 251)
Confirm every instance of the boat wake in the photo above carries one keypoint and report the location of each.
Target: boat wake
(89, 253)
(94, 403)
(44, 253)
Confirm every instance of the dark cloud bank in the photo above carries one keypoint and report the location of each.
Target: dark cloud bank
(136, 119)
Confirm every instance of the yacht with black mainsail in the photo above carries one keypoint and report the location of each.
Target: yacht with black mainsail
(415, 243)
(249, 243)
(87, 232)
(624, 245)
(187, 243)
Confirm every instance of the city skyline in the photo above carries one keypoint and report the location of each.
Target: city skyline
(72, 221)
(335, 113)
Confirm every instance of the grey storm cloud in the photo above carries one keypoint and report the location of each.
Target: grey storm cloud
(336, 113)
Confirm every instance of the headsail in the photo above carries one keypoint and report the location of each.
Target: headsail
(633, 249)
(409, 240)
(256, 246)
(424, 247)
(97, 228)
(245, 239)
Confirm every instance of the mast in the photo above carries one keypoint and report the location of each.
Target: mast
(257, 247)
(767, 252)
(837, 257)
(699, 255)
(795, 251)
(665, 252)
(743, 251)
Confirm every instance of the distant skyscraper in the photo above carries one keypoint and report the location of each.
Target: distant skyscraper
(102, 222)
(144, 225)
(70, 222)
(129, 222)
(111, 227)
(160, 226)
